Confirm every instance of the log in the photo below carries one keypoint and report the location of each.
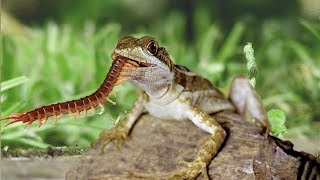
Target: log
(156, 146)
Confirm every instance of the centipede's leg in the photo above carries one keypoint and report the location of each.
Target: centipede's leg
(21, 117)
(102, 108)
(85, 111)
(28, 124)
(110, 101)
(93, 110)
(113, 93)
(14, 117)
(45, 118)
(77, 112)
(55, 118)
(72, 114)
(40, 121)
(61, 114)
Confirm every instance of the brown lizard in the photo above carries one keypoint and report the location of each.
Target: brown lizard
(168, 91)
(172, 91)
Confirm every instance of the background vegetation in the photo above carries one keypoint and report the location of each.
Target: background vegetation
(62, 52)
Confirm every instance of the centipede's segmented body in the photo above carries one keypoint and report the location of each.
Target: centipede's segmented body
(119, 71)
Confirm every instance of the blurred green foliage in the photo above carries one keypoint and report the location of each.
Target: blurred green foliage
(67, 61)
(61, 65)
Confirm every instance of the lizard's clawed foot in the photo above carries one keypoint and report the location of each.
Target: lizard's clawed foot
(190, 171)
(117, 135)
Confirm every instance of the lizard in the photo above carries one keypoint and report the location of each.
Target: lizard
(170, 91)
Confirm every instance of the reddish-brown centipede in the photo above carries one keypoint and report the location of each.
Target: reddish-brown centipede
(120, 71)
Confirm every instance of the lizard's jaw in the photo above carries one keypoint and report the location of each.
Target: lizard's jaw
(139, 64)
(134, 62)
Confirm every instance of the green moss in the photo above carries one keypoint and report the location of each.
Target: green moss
(46, 152)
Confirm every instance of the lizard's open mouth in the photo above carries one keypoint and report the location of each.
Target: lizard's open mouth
(140, 64)
(137, 63)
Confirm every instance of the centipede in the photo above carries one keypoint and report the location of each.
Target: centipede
(121, 69)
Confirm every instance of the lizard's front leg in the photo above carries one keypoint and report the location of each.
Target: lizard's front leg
(121, 131)
(208, 150)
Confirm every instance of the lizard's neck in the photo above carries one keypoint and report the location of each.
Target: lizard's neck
(158, 93)
(162, 86)
(156, 82)
(172, 91)
(170, 95)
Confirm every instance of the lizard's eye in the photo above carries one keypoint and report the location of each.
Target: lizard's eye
(152, 47)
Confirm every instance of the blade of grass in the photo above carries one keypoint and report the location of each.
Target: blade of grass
(232, 41)
(13, 82)
(207, 43)
(311, 28)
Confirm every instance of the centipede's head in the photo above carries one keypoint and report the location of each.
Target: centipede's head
(154, 68)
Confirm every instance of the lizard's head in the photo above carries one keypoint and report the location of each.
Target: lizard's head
(154, 67)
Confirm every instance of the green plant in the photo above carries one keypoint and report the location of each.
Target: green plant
(61, 64)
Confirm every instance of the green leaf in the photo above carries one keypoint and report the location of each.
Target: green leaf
(13, 82)
(277, 120)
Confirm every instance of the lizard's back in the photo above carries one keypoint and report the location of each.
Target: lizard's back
(204, 94)
(201, 91)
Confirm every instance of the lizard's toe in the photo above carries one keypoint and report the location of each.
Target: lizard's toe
(190, 170)
(116, 135)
